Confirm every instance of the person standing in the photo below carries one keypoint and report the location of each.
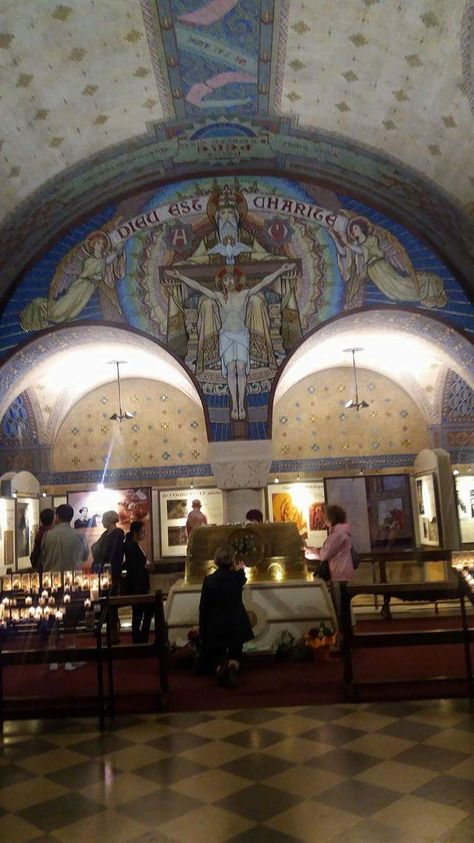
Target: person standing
(337, 552)
(137, 581)
(108, 550)
(63, 548)
(195, 518)
(46, 524)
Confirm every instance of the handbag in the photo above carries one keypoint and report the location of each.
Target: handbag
(323, 571)
(356, 559)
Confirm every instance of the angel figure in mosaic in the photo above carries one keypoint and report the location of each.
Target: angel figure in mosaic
(370, 252)
(92, 266)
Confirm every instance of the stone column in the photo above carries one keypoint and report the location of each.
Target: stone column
(241, 469)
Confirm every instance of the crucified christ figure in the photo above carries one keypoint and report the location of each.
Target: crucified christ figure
(234, 337)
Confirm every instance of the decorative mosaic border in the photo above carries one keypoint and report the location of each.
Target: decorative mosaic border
(121, 475)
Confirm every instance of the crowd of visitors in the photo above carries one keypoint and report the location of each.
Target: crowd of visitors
(224, 625)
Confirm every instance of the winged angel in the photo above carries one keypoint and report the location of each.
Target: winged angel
(91, 266)
(369, 252)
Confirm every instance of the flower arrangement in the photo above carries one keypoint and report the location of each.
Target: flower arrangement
(320, 636)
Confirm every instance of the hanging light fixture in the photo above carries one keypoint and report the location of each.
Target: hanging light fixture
(122, 414)
(351, 404)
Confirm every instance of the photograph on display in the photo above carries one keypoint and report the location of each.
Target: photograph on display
(129, 504)
(175, 505)
(427, 510)
(177, 536)
(303, 504)
(177, 509)
(465, 502)
(389, 510)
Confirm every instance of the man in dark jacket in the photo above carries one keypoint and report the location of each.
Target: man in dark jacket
(224, 625)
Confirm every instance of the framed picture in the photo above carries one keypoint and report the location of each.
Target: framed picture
(129, 504)
(304, 504)
(427, 510)
(465, 507)
(390, 511)
(27, 520)
(175, 504)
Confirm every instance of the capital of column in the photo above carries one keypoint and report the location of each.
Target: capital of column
(242, 464)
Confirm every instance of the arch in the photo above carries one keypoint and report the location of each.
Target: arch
(392, 187)
(405, 345)
(68, 350)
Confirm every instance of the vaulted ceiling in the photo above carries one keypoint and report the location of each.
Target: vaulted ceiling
(80, 76)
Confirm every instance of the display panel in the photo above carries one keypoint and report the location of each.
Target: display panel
(465, 501)
(350, 493)
(175, 505)
(7, 532)
(427, 510)
(27, 522)
(390, 512)
(129, 504)
(304, 504)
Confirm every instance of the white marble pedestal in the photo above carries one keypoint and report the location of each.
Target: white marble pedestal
(294, 606)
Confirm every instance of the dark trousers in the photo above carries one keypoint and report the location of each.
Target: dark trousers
(141, 622)
(215, 651)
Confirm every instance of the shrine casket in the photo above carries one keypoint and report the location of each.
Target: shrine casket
(280, 595)
(271, 552)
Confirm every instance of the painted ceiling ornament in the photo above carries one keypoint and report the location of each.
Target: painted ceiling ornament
(277, 231)
(179, 237)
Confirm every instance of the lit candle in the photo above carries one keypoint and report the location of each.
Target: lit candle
(42, 601)
(6, 602)
(31, 612)
(59, 615)
(87, 603)
(44, 594)
(94, 594)
(51, 601)
(28, 601)
(67, 599)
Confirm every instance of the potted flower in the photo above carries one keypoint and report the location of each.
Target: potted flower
(320, 639)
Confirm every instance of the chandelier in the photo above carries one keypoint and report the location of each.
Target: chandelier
(122, 414)
(351, 404)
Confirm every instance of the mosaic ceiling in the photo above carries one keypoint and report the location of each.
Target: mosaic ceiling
(79, 77)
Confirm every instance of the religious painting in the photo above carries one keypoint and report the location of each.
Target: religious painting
(465, 505)
(129, 504)
(230, 274)
(302, 503)
(175, 505)
(389, 511)
(427, 510)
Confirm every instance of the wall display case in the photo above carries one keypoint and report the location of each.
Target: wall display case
(302, 503)
(174, 507)
(465, 506)
(129, 504)
(351, 494)
(7, 533)
(27, 523)
(390, 511)
(427, 510)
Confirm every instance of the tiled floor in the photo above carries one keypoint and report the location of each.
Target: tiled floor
(380, 773)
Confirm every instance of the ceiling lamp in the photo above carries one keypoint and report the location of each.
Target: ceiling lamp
(122, 414)
(351, 404)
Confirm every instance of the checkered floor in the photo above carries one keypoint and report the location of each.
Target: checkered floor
(379, 773)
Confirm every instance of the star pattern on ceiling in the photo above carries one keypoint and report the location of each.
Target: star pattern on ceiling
(80, 77)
